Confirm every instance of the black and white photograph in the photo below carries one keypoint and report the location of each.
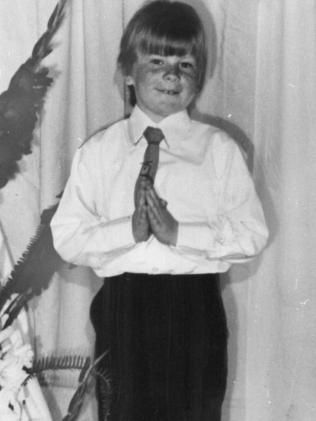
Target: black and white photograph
(157, 210)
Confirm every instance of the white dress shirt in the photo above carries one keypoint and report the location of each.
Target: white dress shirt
(203, 177)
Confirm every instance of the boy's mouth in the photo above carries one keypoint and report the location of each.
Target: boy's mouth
(169, 91)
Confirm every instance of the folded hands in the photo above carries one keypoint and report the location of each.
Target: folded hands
(151, 215)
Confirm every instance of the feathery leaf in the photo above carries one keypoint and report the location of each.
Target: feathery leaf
(22, 102)
(54, 363)
(85, 377)
(33, 272)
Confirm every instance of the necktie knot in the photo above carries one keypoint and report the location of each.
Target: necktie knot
(153, 135)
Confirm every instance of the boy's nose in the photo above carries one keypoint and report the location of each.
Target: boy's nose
(172, 72)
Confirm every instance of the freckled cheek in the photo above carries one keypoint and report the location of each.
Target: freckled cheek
(191, 85)
(145, 72)
(146, 78)
(182, 75)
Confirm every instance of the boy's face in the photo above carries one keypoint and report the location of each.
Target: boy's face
(163, 85)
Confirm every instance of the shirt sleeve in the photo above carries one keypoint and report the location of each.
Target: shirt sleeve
(81, 234)
(237, 232)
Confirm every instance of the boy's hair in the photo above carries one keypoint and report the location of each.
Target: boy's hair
(164, 28)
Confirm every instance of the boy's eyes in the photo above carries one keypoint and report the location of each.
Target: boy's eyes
(185, 65)
(156, 61)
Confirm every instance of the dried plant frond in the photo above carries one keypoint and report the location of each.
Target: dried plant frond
(88, 373)
(21, 103)
(34, 270)
(105, 392)
(67, 362)
(85, 378)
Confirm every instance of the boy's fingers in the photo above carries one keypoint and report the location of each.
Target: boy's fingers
(140, 224)
(140, 189)
(140, 200)
(143, 214)
(156, 200)
(159, 201)
(154, 208)
(152, 192)
(154, 221)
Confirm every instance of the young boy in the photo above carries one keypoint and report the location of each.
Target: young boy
(161, 232)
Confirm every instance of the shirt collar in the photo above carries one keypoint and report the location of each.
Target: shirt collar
(175, 127)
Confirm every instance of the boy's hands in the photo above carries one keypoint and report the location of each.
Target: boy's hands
(140, 222)
(162, 223)
(151, 215)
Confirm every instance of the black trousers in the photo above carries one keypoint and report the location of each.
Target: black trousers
(167, 342)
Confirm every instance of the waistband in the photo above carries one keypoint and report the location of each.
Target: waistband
(212, 277)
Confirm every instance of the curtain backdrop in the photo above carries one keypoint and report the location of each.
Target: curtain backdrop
(263, 92)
